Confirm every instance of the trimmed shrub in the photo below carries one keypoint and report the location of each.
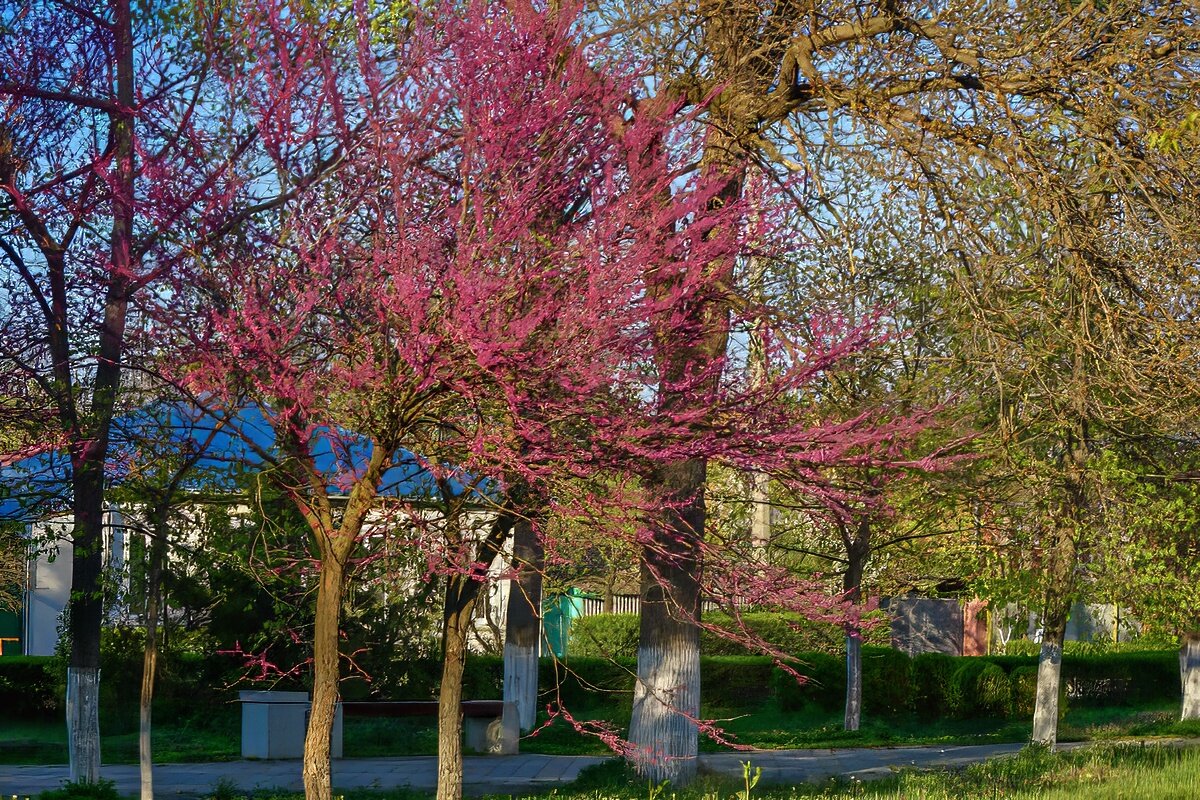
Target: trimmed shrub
(604, 636)
(791, 633)
(887, 680)
(993, 696)
(616, 635)
(583, 682)
(962, 701)
(1122, 678)
(1023, 691)
(29, 686)
(483, 677)
(825, 685)
(736, 681)
(1023, 682)
(930, 683)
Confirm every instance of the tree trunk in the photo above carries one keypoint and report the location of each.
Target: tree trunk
(83, 723)
(90, 450)
(318, 783)
(85, 612)
(1049, 678)
(462, 591)
(853, 718)
(858, 548)
(760, 521)
(523, 627)
(158, 550)
(454, 657)
(666, 698)
(1189, 674)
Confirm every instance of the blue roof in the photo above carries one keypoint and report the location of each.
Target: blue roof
(224, 446)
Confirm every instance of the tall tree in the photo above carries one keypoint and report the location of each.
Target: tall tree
(106, 172)
(953, 95)
(469, 282)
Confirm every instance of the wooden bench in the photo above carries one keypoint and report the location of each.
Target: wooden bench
(491, 726)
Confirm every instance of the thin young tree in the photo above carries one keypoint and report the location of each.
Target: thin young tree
(106, 173)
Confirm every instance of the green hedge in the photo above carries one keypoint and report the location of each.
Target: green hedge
(823, 684)
(616, 635)
(931, 674)
(933, 684)
(736, 682)
(28, 686)
(604, 636)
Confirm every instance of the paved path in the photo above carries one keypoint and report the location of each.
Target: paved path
(499, 774)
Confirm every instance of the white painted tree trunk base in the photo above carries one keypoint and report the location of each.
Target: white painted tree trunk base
(663, 729)
(1045, 710)
(83, 724)
(521, 682)
(1189, 676)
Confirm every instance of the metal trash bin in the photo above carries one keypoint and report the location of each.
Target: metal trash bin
(274, 725)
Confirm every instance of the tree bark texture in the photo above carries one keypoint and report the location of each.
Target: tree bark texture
(858, 549)
(83, 724)
(462, 592)
(853, 718)
(1189, 674)
(318, 782)
(663, 731)
(760, 521)
(523, 624)
(158, 550)
(1049, 680)
(454, 657)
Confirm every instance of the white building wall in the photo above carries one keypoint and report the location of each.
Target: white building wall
(49, 585)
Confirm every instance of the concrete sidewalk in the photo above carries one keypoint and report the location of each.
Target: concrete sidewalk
(499, 774)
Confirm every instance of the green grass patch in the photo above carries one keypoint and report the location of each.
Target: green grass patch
(215, 736)
(1103, 772)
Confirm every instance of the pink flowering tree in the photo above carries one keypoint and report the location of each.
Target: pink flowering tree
(470, 282)
(512, 270)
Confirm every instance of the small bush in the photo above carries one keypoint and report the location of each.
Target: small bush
(825, 683)
(604, 636)
(1023, 691)
(29, 687)
(930, 682)
(993, 696)
(962, 700)
(100, 790)
(887, 680)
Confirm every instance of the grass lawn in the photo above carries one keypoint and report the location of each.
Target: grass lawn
(215, 736)
(1103, 772)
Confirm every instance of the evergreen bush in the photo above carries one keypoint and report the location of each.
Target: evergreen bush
(993, 695)
(824, 684)
(29, 687)
(930, 683)
(887, 680)
(736, 682)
